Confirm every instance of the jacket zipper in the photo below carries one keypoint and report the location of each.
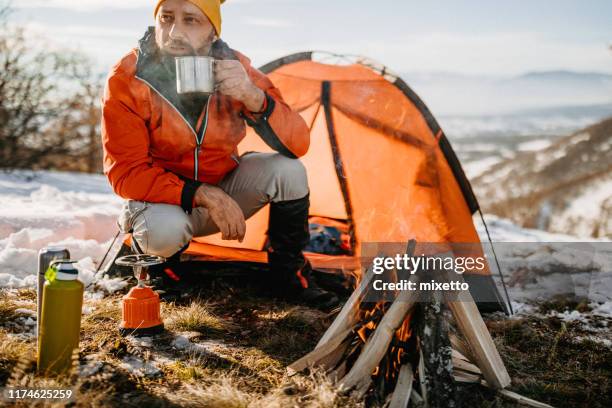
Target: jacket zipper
(198, 140)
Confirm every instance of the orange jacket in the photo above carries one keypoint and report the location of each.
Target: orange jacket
(150, 149)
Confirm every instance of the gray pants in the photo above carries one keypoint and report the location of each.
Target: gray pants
(260, 178)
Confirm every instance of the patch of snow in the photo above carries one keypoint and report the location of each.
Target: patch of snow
(522, 309)
(139, 367)
(602, 309)
(27, 312)
(587, 212)
(182, 342)
(534, 145)
(503, 230)
(603, 341)
(146, 342)
(476, 168)
(90, 368)
(570, 316)
(74, 210)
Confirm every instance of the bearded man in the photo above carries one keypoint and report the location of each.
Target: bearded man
(174, 156)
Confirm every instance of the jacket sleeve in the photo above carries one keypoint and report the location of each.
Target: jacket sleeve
(279, 126)
(127, 162)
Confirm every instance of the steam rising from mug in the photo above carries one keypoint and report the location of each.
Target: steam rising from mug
(195, 74)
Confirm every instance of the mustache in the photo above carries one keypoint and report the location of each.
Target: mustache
(178, 43)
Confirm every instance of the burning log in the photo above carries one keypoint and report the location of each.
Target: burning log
(378, 343)
(348, 316)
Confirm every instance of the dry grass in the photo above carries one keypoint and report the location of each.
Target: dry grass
(197, 317)
(241, 344)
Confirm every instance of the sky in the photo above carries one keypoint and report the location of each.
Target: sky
(467, 37)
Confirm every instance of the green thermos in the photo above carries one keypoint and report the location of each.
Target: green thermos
(62, 301)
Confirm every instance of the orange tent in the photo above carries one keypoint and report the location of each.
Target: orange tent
(379, 165)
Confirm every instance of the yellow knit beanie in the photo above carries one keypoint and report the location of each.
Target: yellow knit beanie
(211, 8)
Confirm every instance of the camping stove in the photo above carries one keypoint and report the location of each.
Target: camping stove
(140, 307)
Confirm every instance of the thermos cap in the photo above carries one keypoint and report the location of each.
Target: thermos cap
(66, 270)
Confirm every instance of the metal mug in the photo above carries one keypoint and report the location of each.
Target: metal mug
(195, 74)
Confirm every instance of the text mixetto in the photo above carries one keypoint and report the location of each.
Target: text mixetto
(405, 284)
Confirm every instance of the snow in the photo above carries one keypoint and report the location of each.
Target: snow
(603, 309)
(139, 367)
(74, 210)
(539, 265)
(476, 168)
(534, 145)
(586, 212)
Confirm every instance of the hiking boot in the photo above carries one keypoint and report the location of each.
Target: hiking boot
(313, 295)
(290, 272)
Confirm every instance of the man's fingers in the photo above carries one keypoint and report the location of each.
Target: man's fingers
(233, 230)
(228, 84)
(242, 230)
(226, 64)
(227, 73)
(224, 228)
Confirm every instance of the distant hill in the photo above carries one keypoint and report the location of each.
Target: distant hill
(562, 75)
(455, 94)
(565, 187)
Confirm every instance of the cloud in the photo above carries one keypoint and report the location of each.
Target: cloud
(502, 53)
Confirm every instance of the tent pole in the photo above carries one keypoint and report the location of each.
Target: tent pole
(108, 250)
(496, 261)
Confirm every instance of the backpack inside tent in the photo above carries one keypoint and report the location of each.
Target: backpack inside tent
(380, 169)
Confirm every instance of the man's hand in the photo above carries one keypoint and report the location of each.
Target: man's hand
(233, 80)
(223, 211)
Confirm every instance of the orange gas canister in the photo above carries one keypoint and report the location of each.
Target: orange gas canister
(141, 306)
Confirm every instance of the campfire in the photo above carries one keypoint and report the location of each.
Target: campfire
(413, 347)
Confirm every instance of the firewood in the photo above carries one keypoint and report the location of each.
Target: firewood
(523, 400)
(339, 372)
(465, 377)
(458, 355)
(321, 355)
(479, 339)
(403, 388)
(378, 343)
(463, 364)
(416, 399)
(361, 389)
(347, 318)
(422, 383)
(460, 346)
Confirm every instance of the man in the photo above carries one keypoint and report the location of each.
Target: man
(174, 157)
